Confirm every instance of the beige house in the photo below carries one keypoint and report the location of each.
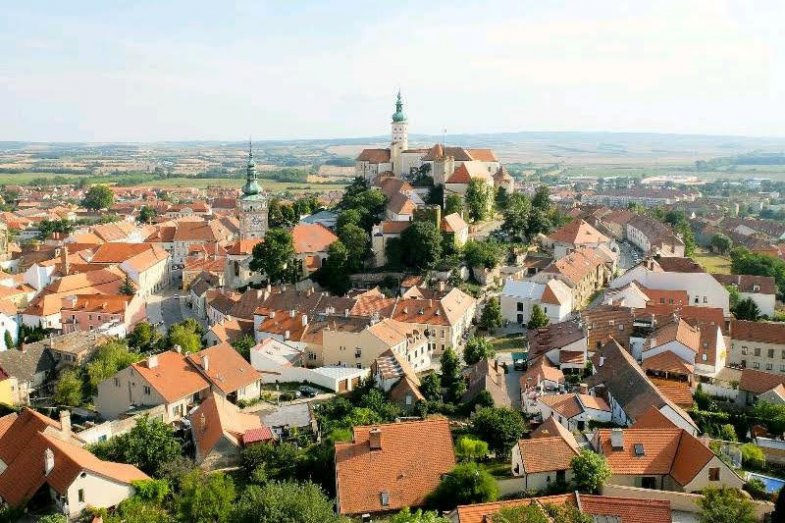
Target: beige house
(220, 432)
(455, 226)
(758, 345)
(584, 271)
(446, 318)
(667, 458)
(361, 348)
(162, 379)
(42, 458)
(544, 459)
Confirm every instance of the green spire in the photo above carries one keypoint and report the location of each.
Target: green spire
(251, 186)
(398, 116)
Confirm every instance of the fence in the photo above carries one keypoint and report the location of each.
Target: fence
(680, 501)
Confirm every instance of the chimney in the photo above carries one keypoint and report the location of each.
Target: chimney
(583, 388)
(346, 312)
(305, 320)
(64, 258)
(617, 439)
(602, 361)
(49, 461)
(375, 438)
(152, 361)
(178, 349)
(65, 423)
(205, 363)
(442, 285)
(286, 335)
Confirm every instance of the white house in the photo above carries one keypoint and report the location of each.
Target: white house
(518, 297)
(702, 289)
(574, 410)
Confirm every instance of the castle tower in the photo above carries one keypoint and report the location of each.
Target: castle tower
(400, 135)
(253, 204)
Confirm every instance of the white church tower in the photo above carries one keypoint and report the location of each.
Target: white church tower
(400, 136)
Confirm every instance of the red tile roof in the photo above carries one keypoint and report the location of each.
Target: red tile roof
(173, 377)
(409, 465)
(226, 368)
(312, 238)
(758, 331)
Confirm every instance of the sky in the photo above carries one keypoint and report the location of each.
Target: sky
(144, 70)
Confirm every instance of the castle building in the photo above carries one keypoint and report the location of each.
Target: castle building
(439, 162)
(253, 205)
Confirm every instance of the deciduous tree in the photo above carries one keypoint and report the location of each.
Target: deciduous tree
(477, 348)
(538, 318)
(274, 255)
(501, 427)
(725, 505)
(590, 471)
(468, 483)
(98, 197)
(477, 200)
(491, 316)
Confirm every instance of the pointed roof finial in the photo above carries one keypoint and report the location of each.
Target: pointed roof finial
(399, 116)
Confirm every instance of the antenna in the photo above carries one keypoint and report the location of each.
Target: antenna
(444, 140)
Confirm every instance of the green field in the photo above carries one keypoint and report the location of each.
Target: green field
(178, 182)
(269, 185)
(712, 263)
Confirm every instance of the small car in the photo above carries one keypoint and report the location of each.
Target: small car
(308, 392)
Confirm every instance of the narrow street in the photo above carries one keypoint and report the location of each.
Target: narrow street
(168, 308)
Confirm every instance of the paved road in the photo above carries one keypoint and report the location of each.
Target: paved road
(484, 229)
(169, 307)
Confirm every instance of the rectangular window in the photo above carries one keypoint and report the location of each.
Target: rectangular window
(755, 365)
(714, 474)
(147, 390)
(81, 495)
(117, 382)
(757, 351)
(771, 353)
(769, 366)
(705, 299)
(520, 306)
(358, 353)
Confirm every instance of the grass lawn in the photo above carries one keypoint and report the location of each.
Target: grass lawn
(509, 343)
(712, 263)
(269, 185)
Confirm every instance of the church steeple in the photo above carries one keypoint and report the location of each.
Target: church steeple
(398, 115)
(251, 186)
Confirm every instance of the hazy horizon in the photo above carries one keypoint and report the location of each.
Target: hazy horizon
(153, 72)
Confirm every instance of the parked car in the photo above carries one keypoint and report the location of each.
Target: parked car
(308, 392)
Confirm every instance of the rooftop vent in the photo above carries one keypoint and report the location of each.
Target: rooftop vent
(617, 439)
(639, 450)
(375, 439)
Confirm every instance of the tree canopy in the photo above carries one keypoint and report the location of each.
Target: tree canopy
(206, 498)
(187, 335)
(477, 348)
(149, 445)
(421, 245)
(501, 427)
(491, 316)
(274, 257)
(483, 253)
(725, 505)
(451, 378)
(589, 471)
(98, 197)
(538, 318)
(467, 483)
(745, 262)
(478, 200)
(285, 502)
